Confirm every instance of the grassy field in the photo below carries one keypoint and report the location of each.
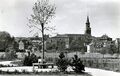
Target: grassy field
(70, 54)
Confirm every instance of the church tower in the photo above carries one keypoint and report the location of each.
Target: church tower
(88, 28)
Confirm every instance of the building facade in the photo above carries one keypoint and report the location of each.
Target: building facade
(103, 44)
(71, 41)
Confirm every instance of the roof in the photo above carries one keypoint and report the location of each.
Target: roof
(69, 35)
(105, 36)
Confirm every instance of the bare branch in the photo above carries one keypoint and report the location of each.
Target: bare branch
(37, 27)
(49, 28)
(43, 12)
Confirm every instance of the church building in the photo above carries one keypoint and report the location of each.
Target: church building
(71, 41)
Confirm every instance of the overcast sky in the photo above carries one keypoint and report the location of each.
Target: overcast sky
(70, 16)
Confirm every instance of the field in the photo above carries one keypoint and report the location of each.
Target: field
(70, 54)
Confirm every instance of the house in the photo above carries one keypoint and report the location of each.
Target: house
(101, 44)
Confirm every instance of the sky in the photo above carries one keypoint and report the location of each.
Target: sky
(70, 17)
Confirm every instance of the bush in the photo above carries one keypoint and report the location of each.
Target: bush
(62, 62)
(28, 60)
(36, 72)
(10, 55)
(16, 72)
(0, 71)
(8, 72)
(2, 57)
(77, 64)
(25, 71)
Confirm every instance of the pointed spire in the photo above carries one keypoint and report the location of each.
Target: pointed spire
(88, 28)
(87, 19)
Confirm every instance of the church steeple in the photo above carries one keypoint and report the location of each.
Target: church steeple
(87, 22)
(88, 28)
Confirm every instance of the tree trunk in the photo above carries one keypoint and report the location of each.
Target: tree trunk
(42, 25)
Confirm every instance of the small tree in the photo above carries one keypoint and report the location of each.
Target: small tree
(28, 60)
(5, 40)
(62, 62)
(77, 64)
(43, 12)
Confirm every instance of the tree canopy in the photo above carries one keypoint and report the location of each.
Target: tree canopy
(43, 12)
(5, 40)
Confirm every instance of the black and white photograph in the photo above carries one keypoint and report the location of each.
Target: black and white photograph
(60, 37)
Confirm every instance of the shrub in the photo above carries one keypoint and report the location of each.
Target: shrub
(36, 72)
(0, 71)
(2, 57)
(25, 71)
(10, 55)
(62, 62)
(28, 60)
(77, 64)
(16, 72)
(8, 72)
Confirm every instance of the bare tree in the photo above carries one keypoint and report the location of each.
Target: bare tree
(43, 12)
